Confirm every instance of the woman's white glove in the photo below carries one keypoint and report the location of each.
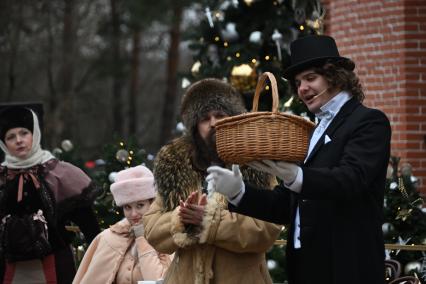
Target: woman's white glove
(224, 181)
(283, 170)
(137, 230)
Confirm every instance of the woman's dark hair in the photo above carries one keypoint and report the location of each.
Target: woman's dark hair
(339, 74)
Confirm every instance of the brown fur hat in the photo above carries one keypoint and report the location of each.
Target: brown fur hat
(207, 95)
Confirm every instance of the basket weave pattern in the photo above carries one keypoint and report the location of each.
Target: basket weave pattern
(263, 135)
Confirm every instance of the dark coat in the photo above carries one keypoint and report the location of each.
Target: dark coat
(341, 201)
(71, 194)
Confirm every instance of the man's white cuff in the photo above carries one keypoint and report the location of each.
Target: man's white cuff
(296, 185)
(236, 200)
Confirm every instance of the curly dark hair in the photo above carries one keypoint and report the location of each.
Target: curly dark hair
(339, 74)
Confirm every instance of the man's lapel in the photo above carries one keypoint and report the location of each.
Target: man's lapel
(341, 116)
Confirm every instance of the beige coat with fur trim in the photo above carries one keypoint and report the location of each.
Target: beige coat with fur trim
(228, 248)
(111, 258)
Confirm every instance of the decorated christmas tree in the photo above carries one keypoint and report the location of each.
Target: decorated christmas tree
(405, 220)
(239, 39)
(115, 157)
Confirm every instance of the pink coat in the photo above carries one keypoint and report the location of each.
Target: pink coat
(115, 257)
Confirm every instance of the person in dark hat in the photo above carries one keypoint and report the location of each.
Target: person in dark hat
(39, 195)
(210, 244)
(333, 201)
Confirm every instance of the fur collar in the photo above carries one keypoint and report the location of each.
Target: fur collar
(122, 227)
(176, 178)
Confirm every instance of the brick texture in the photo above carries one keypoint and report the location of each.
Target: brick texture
(387, 41)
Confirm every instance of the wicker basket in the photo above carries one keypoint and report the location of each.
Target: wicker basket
(263, 135)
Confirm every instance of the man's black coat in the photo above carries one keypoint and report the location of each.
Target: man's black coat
(341, 201)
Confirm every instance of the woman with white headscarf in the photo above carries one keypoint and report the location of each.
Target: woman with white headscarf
(39, 195)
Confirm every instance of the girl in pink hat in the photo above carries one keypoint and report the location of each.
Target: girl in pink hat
(121, 254)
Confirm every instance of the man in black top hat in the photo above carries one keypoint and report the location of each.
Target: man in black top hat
(333, 201)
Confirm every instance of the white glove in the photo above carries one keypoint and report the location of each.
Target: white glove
(138, 230)
(283, 170)
(224, 181)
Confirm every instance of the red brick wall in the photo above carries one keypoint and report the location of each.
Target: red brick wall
(387, 41)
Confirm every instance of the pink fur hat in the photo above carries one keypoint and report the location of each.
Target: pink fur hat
(133, 184)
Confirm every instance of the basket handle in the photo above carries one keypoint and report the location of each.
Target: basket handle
(259, 88)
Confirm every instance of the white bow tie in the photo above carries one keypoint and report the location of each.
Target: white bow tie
(325, 115)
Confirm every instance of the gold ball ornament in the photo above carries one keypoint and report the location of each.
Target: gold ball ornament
(244, 78)
(249, 2)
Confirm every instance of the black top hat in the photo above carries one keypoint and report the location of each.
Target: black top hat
(311, 51)
(18, 115)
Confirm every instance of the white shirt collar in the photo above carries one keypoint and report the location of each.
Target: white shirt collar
(333, 106)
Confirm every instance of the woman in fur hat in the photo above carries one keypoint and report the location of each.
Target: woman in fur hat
(121, 254)
(38, 196)
(211, 245)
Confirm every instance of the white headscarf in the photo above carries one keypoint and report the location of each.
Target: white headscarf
(35, 156)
